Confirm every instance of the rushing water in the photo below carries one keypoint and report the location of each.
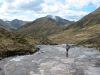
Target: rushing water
(52, 60)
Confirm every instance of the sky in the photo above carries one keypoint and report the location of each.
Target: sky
(30, 10)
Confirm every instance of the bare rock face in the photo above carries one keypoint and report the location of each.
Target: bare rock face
(52, 60)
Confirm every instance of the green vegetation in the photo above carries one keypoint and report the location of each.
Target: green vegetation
(88, 36)
(12, 44)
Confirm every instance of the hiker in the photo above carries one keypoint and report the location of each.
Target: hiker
(67, 49)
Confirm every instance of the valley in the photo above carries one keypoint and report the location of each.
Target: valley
(39, 47)
(20, 39)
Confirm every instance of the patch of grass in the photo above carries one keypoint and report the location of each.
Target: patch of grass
(12, 44)
(89, 35)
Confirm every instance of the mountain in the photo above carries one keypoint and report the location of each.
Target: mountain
(14, 24)
(45, 25)
(85, 31)
(60, 21)
(42, 27)
(3, 24)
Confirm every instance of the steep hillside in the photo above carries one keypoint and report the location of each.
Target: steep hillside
(90, 19)
(43, 26)
(85, 31)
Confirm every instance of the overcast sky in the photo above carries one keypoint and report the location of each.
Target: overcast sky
(32, 9)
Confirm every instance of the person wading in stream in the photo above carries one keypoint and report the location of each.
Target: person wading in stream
(67, 49)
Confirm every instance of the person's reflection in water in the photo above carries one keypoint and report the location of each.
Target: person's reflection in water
(66, 54)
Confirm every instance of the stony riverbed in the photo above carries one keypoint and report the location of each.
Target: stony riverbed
(52, 60)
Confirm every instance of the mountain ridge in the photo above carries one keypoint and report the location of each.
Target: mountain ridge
(86, 31)
(10, 25)
(43, 22)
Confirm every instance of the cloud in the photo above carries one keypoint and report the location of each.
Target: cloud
(96, 3)
(32, 9)
(4, 8)
(71, 14)
(32, 5)
(78, 3)
(62, 9)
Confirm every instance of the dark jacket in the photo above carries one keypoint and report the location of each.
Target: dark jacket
(67, 47)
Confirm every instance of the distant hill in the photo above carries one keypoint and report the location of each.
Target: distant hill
(85, 31)
(14, 24)
(3, 24)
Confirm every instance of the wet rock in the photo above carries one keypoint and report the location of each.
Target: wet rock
(51, 60)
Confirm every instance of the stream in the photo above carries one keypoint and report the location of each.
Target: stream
(52, 60)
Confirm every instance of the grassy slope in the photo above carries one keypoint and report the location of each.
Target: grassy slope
(41, 26)
(11, 44)
(89, 35)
